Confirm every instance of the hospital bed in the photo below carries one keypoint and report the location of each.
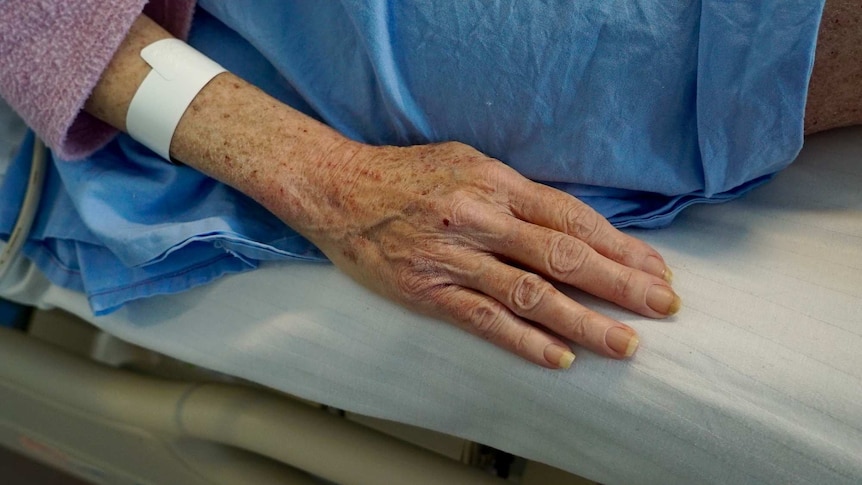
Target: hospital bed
(757, 380)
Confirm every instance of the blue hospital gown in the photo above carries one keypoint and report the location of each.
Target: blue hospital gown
(638, 107)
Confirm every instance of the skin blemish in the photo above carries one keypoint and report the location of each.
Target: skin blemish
(372, 174)
(350, 255)
(446, 222)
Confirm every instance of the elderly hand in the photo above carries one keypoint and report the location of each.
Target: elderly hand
(439, 228)
(447, 231)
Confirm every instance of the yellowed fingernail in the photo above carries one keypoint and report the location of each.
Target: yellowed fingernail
(632, 346)
(663, 300)
(675, 306)
(655, 266)
(668, 275)
(566, 360)
(622, 340)
(559, 356)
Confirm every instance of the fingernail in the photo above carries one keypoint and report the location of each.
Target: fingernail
(668, 275)
(656, 266)
(559, 356)
(663, 300)
(622, 340)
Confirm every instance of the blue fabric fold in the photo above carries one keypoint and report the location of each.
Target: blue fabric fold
(640, 108)
(100, 232)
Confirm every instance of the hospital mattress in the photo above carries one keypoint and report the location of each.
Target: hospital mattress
(758, 380)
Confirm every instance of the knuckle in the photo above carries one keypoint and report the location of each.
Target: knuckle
(528, 291)
(623, 287)
(521, 345)
(624, 251)
(566, 256)
(415, 280)
(456, 146)
(487, 320)
(580, 221)
(462, 210)
(578, 329)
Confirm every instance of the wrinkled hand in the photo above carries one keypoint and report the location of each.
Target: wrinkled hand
(447, 231)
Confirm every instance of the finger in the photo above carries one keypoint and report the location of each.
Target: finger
(487, 318)
(531, 297)
(570, 260)
(551, 208)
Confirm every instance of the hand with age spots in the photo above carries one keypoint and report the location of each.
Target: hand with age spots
(449, 232)
(441, 229)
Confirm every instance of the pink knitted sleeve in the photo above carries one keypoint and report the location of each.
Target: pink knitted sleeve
(52, 53)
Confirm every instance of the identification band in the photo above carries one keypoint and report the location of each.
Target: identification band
(179, 73)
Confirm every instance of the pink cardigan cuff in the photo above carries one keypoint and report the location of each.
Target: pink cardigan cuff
(53, 53)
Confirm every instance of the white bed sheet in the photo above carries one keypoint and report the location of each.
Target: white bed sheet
(757, 380)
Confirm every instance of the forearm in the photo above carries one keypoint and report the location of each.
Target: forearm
(232, 131)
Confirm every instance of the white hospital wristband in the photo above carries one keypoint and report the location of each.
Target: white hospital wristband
(179, 73)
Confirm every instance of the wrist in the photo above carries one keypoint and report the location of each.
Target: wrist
(241, 136)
